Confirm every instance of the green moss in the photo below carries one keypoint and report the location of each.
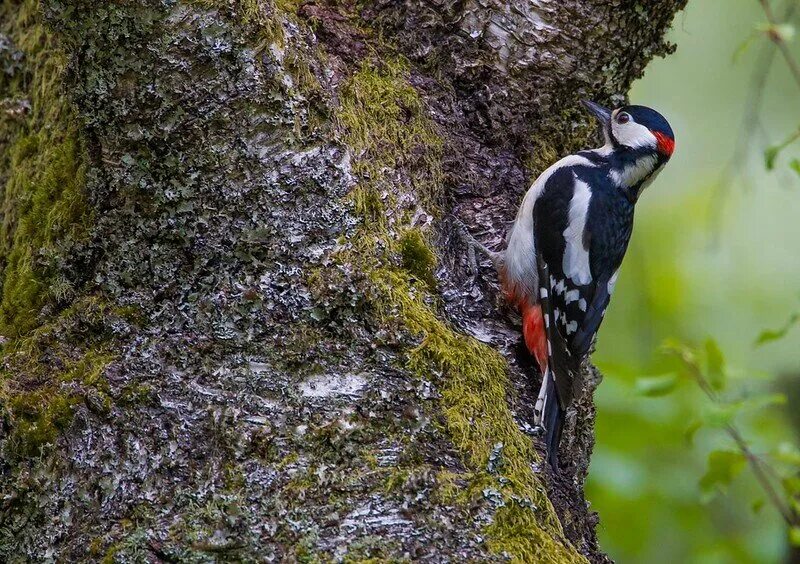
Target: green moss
(552, 143)
(474, 388)
(37, 418)
(418, 258)
(138, 394)
(396, 479)
(368, 205)
(43, 197)
(382, 119)
(50, 356)
(46, 375)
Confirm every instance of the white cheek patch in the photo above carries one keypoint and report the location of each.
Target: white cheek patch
(633, 135)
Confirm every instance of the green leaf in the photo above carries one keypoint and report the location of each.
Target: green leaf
(716, 365)
(691, 430)
(656, 386)
(795, 165)
(723, 467)
(791, 485)
(770, 155)
(772, 152)
(771, 335)
(757, 505)
(720, 415)
(794, 536)
(761, 401)
(677, 349)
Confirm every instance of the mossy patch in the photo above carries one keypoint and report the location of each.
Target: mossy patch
(382, 119)
(418, 257)
(37, 418)
(44, 173)
(474, 385)
(551, 144)
(45, 376)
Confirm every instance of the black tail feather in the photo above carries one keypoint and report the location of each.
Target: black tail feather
(553, 422)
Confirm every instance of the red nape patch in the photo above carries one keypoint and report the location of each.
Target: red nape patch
(665, 144)
(534, 333)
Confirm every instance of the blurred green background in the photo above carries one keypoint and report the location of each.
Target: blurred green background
(685, 279)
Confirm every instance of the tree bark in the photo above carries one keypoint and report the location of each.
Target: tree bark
(239, 322)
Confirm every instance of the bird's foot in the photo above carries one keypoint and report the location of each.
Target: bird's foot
(474, 245)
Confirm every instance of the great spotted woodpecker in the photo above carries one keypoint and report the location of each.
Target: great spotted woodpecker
(566, 246)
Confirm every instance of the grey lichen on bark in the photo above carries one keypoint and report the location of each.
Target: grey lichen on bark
(247, 331)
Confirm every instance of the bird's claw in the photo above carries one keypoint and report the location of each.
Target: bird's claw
(472, 245)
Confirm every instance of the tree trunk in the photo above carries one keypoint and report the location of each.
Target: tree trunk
(239, 323)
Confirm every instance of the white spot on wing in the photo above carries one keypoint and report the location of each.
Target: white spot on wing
(576, 258)
(612, 282)
(572, 326)
(571, 296)
(582, 304)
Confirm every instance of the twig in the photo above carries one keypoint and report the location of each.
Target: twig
(749, 123)
(778, 40)
(756, 464)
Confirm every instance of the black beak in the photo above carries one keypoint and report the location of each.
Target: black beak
(600, 112)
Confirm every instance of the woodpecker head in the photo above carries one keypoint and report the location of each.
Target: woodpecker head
(640, 141)
(635, 128)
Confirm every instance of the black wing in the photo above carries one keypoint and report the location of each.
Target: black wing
(575, 309)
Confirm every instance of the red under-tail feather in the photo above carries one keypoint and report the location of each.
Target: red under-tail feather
(535, 335)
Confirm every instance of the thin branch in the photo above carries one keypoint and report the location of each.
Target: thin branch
(778, 40)
(750, 123)
(758, 466)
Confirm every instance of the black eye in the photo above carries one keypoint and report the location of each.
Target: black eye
(623, 117)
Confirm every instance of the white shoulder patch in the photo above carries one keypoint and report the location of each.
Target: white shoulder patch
(576, 258)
